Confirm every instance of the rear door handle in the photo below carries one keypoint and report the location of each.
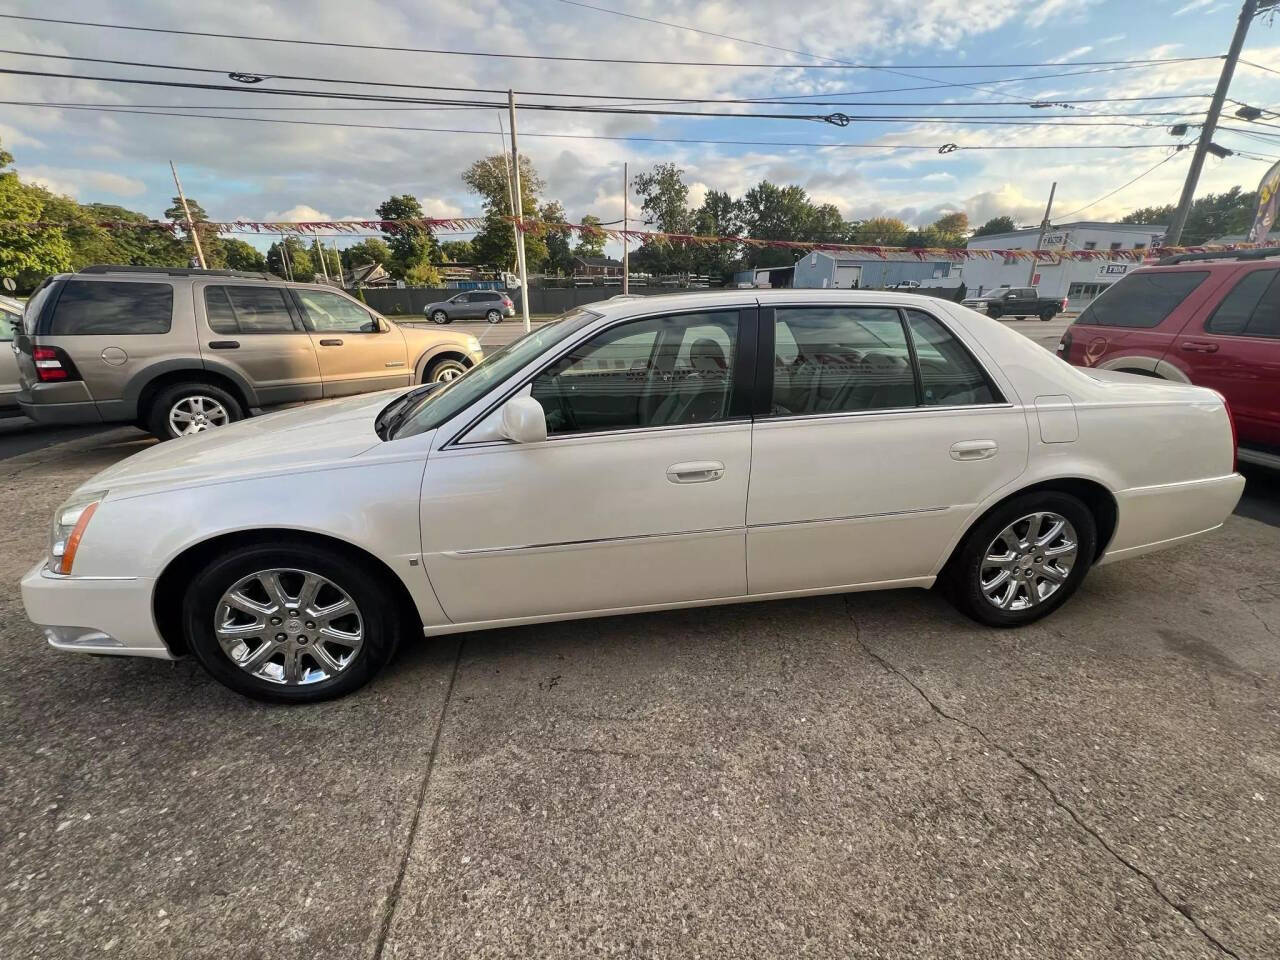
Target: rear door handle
(224, 344)
(695, 471)
(974, 450)
(330, 343)
(1199, 346)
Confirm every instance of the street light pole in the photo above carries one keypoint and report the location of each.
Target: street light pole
(519, 213)
(1174, 236)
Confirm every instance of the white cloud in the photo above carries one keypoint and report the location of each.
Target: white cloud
(1192, 6)
(83, 184)
(1051, 11)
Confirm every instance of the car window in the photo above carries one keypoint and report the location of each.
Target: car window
(846, 359)
(949, 375)
(331, 313)
(106, 307)
(1265, 321)
(1245, 302)
(1142, 299)
(659, 371)
(245, 309)
(8, 320)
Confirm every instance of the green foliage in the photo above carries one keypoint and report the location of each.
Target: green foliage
(369, 250)
(424, 275)
(242, 255)
(559, 251)
(495, 244)
(881, 231)
(28, 254)
(298, 266)
(456, 251)
(325, 260)
(951, 230)
(996, 225)
(590, 244)
(410, 246)
(215, 256)
(1211, 216)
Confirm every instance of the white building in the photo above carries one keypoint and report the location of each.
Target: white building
(1077, 280)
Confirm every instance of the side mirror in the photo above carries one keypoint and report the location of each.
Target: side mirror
(523, 420)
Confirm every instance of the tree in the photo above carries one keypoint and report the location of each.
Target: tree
(410, 245)
(882, 231)
(995, 225)
(299, 266)
(664, 198)
(719, 216)
(210, 243)
(1211, 216)
(145, 245)
(424, 275)
(27, 254)
(590, 243)
(495, 244)
(367, 251)
(559, 254)
(456, 251)
(326, 261)
(771, 212)
(242, 255)
(952, 229)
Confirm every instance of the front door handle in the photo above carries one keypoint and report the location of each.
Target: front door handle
(1199, 346)
(695, 471)
(974, 450)
(224, 344)
(330, 343)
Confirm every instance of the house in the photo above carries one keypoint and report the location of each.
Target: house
(1079, 281)
(596, 267)
(367, 275)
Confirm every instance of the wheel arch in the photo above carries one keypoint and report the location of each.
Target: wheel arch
(170, 586)
(431, 355)
(143, 388)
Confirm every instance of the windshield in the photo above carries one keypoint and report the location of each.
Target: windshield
(435, 408)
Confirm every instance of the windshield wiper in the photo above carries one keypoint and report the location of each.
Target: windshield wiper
(390, 418)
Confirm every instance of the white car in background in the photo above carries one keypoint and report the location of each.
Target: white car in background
(10, 320)
(639, 455)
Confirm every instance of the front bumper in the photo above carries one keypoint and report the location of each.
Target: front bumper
(110, 615)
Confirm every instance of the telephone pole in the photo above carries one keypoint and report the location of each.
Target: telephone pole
(342, 280)
(519, 213)
(626, 249)
(191, 227)
(1247, 12)
(1044, 227)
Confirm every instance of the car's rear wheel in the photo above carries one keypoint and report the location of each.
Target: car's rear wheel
(186, 408)
(1048, 313)
(1023, 560)
(442, 371)
(439, 316)
(493, 316)
(994, 312)
(289, 623)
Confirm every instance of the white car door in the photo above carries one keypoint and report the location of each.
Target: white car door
(638, 496)
(883, 434)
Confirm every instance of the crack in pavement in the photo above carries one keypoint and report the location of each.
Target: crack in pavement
(1039, 778)
(393, 898)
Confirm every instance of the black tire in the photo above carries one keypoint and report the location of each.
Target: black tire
(493, 316)
(1048, 313)
(163, 403)
(961, 579)
(377, 607)
(439, 371)
(994, 312)
(439, 316)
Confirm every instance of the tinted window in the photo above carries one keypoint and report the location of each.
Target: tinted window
(8, 323)
(949, 376)
(659, 371)
(331, 313)
(1265, 321)
(241, 309)
(1245, 302)
(834, 359)
(1142, 299)
(106, 307)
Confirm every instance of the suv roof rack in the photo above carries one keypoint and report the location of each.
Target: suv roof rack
(1261, 253)
(177, 271)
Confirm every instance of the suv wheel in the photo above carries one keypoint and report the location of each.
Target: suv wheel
(442, 371)
(187, 408)
(439, 316)
(994, 312)
(289, 622)
(1047, 313)
(493, 316)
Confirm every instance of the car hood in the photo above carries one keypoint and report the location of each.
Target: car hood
(293, 440)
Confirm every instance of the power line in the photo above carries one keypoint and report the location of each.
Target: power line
(790, 99)
(585, 136)
(532, 56)
(1258, 66)
(1112, 193)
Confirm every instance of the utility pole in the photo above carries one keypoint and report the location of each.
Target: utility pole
(284, 258)
(191, 227)
(511, 194)
(342, 280)
(324, 267)
(626, 248)
(519, 212)
(1247, 12)
(1044, 227)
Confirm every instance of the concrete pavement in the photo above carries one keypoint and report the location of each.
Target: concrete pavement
(861, 776)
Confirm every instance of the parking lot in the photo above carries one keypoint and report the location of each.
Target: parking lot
(861, 776)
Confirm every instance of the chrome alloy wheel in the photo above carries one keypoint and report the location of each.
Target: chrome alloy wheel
(449, 370)
(197, 413)
(291, 627)
(1029, 561)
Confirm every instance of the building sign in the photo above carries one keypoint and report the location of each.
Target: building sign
(1058, 240)
(1113, 269)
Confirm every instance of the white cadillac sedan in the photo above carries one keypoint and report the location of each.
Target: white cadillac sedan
(642, 454)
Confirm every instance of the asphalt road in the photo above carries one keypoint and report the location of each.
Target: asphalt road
(860, 776)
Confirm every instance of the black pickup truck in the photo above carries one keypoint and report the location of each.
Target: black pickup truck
(1016, 302)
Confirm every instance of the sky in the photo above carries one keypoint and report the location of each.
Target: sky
(277, 171)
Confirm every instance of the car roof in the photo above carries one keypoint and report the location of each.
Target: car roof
(710, 299)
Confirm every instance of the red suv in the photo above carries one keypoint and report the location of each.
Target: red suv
(1211, 319)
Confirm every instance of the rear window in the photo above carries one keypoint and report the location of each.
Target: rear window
(112, 308)
(1142, 299)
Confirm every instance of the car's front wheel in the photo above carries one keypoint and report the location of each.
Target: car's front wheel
(1023, 560)
(289, 623)
(439, 316)
(442, 371)
(994, 312)
(186, 408)
(493, 316)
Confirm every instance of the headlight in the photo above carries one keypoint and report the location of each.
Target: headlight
(69, 524)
